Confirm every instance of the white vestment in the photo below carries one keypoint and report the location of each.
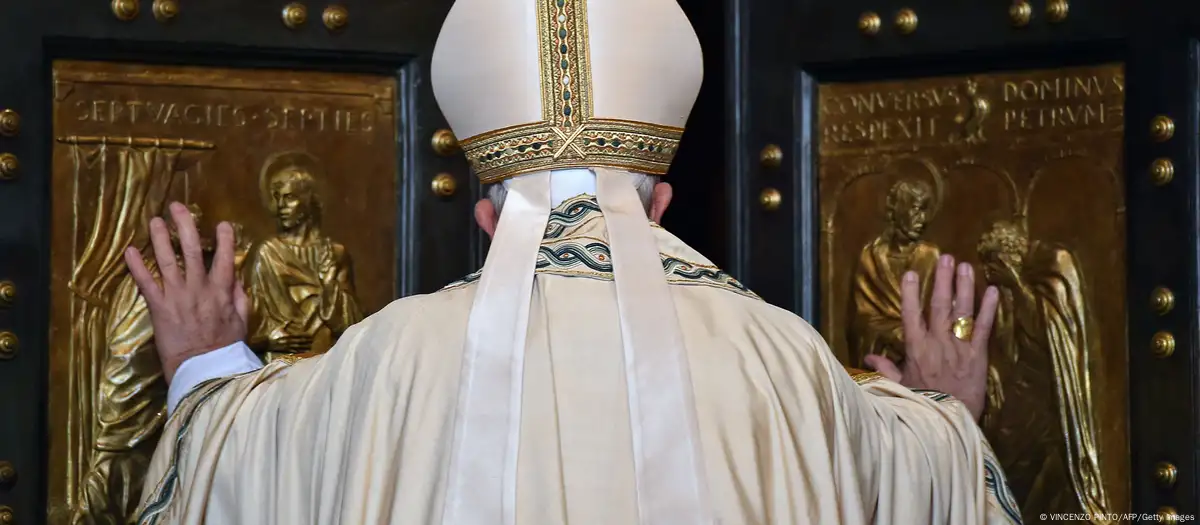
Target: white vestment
(364, 433)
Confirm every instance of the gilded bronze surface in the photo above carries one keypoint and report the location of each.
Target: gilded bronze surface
(10, 123)
(1162, 171)
(9, 166)
(8, 294)
(165, 10)
(303, 164)
(9, 345)
(989, 168)
(869, 23)
(301, 282)
(1020, 12)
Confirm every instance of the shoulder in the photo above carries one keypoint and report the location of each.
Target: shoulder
(340, 253)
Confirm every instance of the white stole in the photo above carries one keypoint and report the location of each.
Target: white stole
(671, 487)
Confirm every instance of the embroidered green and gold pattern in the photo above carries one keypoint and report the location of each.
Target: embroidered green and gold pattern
(569, 136)
(567, 252)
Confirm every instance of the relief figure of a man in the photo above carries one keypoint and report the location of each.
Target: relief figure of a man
(301, 282)
(875, 327)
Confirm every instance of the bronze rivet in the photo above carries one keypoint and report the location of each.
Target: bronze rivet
(906, 21)
(6, 516)
(126, 10)
(294, 15)
(1165, 474)
(1162, 171)
(1021, 13)
(8, 474)
(444, 185)
(165, 10)
(1168, 515)
(8, 293)
(770, 199)
(771, 156)
(1056, 10)
(1162, 300)
(8, 345)
(1163, 345)
(869, 23)
(9, 166)
(444, 143)
(1162, 128)
(10, 123)
(335, 17)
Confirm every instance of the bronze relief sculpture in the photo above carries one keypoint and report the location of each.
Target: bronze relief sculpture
(131, 401)
(1044, 337)
(875, 326)
(300, 282)
(131, 138)
(988, 168)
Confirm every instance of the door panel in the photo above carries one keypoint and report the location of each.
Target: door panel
(1006, 146)
(315, 138)
(989, 168)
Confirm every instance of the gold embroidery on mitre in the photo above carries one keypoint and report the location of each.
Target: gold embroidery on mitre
(568, 136)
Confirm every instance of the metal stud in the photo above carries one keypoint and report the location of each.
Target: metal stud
(1162, 171)
(1057, 10)
(444, 143)
(335, 17)
(444, 185)
(126, 10)
(770, 199)
(1165, 474)
(294, 15)
(8, 293)
(8, 345)
(869, 23)
(9, 166)
(1162, 345)
(10, 123)
(1162, 128)
(165, 10)
(1021, 13)
(1162, 300)
(8, 474)
(906, 21)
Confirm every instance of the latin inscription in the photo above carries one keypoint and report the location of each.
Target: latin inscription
(945, 109)
(178, 114)
(1076, 102)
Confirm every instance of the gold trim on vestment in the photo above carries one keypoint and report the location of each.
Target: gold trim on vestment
(568, 136)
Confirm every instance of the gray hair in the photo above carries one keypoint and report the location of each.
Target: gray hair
(642, 182)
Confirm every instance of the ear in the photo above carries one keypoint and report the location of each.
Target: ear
(659, 200)
(486, 216)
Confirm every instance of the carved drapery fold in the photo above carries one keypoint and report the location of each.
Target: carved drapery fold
(116, 393)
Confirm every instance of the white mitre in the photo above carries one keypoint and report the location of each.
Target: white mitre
(536, 89)
(532, 85)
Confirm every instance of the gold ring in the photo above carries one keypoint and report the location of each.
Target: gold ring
(963, 328)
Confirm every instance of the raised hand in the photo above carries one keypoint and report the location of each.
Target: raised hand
(193, 311)
(948, 351)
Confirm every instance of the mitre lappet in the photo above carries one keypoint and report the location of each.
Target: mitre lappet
(555, 98)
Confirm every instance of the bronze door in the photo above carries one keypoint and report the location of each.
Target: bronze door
(311, 126)
(871, 137)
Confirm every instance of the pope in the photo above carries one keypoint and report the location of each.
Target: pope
(597, 370)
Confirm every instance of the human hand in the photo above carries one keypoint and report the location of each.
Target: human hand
(193, 311)
(935, 359)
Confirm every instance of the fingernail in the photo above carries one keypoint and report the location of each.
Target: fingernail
(946, 261)
(964, 269)
(910, 277)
